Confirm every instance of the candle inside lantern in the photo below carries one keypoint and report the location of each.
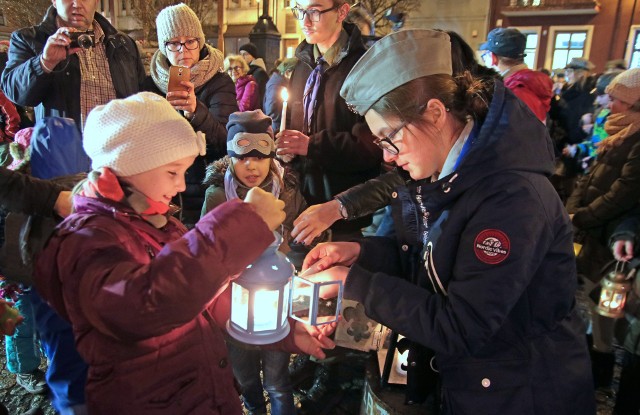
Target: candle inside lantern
(285, 97)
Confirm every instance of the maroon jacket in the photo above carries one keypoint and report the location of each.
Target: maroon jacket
(534, 89)
(144, 318)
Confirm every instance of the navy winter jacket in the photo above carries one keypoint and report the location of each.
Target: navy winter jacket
(496, 302)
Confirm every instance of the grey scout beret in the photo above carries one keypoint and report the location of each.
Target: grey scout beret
(393, 61)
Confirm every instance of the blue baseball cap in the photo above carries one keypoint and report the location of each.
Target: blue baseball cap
(507, 42)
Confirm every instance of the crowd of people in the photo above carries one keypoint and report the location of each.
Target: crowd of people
(130, 206)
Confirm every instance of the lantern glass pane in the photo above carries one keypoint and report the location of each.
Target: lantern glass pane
(302, 299)
(265, 310)
(285, 301)
(239, 305)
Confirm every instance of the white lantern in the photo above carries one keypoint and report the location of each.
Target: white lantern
(260, 299)
(306, 305)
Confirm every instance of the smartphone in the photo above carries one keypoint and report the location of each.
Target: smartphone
(178, 74)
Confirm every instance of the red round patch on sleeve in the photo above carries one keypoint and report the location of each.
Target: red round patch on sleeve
(491, 246)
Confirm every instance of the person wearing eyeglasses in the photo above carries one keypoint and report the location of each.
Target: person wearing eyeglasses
(247, 89)
(45, 71)
(495, 294)
(207, 100)
(332, 147)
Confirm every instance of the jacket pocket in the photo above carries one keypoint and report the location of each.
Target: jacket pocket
(496, 387)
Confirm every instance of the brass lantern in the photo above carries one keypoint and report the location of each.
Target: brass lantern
(615, 287)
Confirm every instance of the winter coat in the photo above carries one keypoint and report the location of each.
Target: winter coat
(272, 103)
(534, 89)
(497, 302)
(58, 93)
(258, 71)
(216, 101)
(215, 195)
(602, 199)
(25, 194)
(247, 94)
(566, 128)
(140, 301)
(341, 152)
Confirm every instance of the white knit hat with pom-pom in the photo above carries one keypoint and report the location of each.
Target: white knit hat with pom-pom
(138, 134)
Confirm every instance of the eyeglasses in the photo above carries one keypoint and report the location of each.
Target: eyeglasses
(386, 142)
(314, 14)
(191, 44)
(234, 68)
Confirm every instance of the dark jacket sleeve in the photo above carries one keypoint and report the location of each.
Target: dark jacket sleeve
(25, 194)
(627, 230)
(374, 194)
(272, 104)
(23, 79)
(216, 102)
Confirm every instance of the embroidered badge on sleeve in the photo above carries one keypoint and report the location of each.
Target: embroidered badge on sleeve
(491, 246)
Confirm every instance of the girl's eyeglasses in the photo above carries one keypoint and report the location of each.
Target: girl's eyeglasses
(386, 142)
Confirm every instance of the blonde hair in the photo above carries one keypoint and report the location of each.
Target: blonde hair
(231, 60)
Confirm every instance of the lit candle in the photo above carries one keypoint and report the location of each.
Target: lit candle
(285, 96)
(283, 123)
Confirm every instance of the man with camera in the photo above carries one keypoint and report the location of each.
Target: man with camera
(71, 62)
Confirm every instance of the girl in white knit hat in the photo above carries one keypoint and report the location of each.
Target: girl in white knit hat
(142, 293)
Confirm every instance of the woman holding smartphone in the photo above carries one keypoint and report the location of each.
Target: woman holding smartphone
(206, 98)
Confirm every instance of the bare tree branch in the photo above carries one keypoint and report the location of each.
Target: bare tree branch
(378, 9)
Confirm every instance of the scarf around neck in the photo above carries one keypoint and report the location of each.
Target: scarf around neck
(103, 183)
(232, 186)
(619, 126)
(201, 72)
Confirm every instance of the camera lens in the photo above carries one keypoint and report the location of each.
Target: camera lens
(85, 41)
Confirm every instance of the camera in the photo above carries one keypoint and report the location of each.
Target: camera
(84, 40)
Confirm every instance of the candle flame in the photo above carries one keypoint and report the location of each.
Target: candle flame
(284, 94)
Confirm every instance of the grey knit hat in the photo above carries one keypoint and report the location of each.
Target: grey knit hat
(393, 61)
(138, 134)
(626, 86)
(176, 21)
(249, 134)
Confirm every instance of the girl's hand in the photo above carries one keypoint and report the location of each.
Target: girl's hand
(184, 100)
(623, 250)
(327, 255)
(315, 220)
(312, 339)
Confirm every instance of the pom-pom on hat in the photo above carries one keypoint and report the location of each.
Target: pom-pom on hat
(507, 42)
(249, 134)
(176, 21)
(626, 86)
(138, 134)
(393, 61)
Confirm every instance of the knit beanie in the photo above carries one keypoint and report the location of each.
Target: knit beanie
(249, 134)
(138, 134)
(604, 80)
(176, 21)
(626, 86)
(251, 49)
